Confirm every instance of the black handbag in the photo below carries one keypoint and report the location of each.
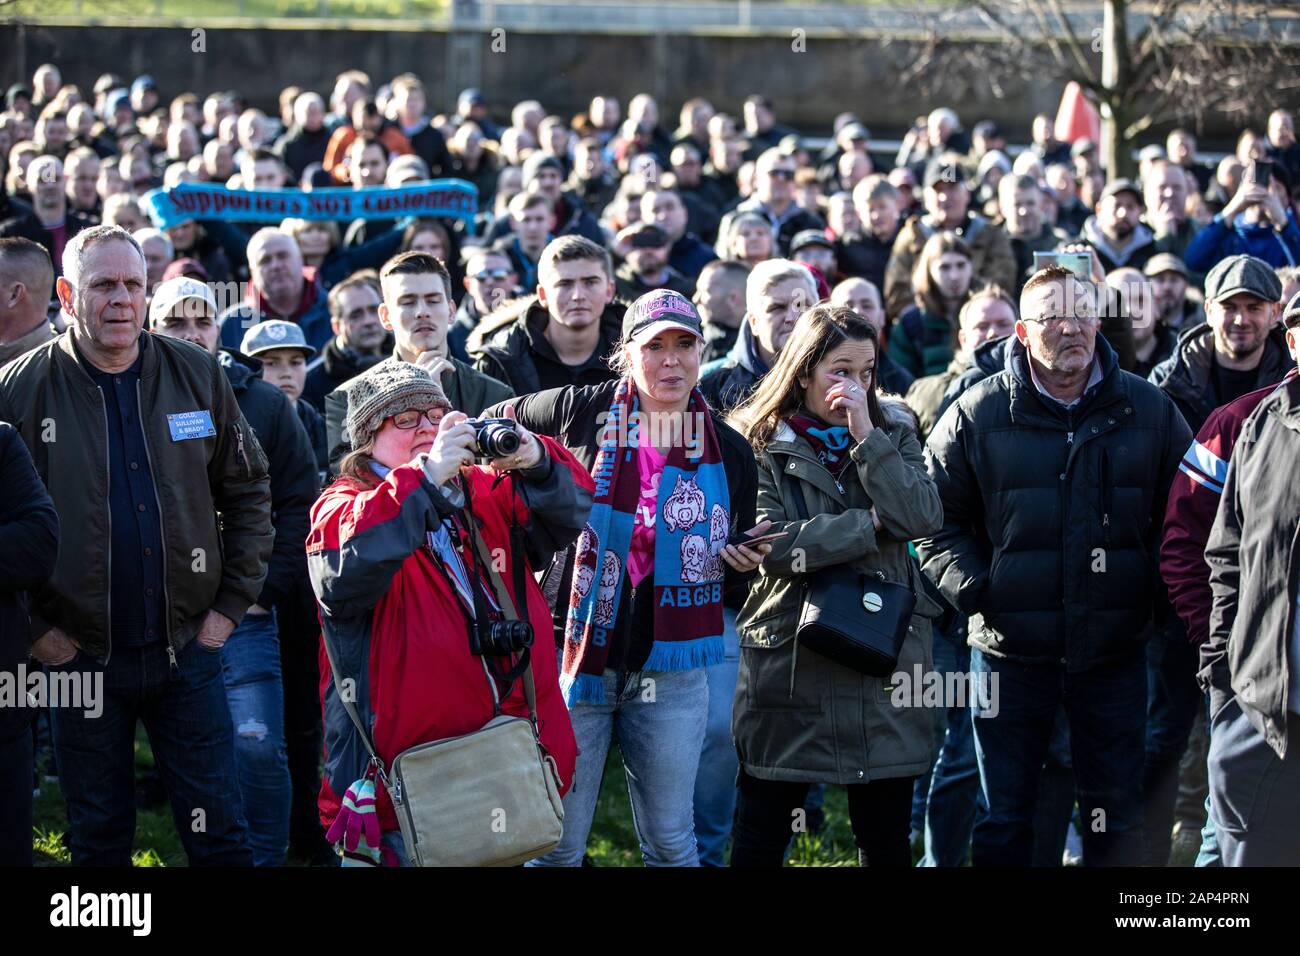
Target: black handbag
(853, 618)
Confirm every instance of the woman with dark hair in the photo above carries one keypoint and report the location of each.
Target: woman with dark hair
(842, 474)
(924, 338)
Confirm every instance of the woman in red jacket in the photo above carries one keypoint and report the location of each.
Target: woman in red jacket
(391, 566)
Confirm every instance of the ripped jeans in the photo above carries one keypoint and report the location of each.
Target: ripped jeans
(250, 664)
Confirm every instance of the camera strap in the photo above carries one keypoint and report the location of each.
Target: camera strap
(525, 666)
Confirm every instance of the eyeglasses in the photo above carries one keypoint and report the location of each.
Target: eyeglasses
(411, 419)
(786, 174)
(1056, 321)
(486, 274)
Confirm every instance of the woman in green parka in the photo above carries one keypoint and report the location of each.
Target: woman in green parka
(816, 421)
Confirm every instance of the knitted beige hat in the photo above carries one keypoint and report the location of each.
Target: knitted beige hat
(388, 389)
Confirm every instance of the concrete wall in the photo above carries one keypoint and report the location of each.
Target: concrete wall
(562, 69)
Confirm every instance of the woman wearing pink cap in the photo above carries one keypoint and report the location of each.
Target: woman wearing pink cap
(638, 600)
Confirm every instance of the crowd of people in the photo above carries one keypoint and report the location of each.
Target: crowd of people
(1007, 384)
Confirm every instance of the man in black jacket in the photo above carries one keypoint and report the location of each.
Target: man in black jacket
(360, 340)
(1250, 663)
(29, 544)
(1053, 475)
(186, 310)
(562, 335)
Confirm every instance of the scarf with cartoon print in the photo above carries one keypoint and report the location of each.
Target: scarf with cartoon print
(692, 520)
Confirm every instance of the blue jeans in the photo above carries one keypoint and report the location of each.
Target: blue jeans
(1173, 697)
(955, 798)
(16, 799)
(1055, 796)
(1106, 709)
(715, 781)
(658, 718)
(250, 663)
(188, 721)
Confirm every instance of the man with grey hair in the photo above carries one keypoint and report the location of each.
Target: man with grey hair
(141, 444)
(1054, 473)
(280, 288)
(774, 200)
(26, 281)
(777, 292)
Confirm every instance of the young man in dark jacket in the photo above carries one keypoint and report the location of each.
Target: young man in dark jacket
(1053, 475)
(148, 585)
(184, 309)
(29, 544)
(1250, 662)
(562, 335)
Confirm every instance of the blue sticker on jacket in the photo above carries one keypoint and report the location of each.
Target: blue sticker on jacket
(187, 425)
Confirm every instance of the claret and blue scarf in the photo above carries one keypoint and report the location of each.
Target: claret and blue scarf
(693, 518)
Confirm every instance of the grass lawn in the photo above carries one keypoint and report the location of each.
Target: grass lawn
(613, 840)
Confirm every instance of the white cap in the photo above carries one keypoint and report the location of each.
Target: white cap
(173, 291)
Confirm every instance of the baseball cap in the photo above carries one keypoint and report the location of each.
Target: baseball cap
(174, 291)
(1116, 186)
(647, 235)
(275, 334)
(809, 237)
(659, 311)
(142, 83)
(1242, 274)
(1152, 152)
(1164, 262)
(471, 96)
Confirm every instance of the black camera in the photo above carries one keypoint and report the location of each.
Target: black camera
(494, 437)
(500, 638)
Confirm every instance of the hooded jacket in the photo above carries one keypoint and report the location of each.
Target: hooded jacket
(728, 382)
(798, 715)
(1218, 240)
(394, 624)
(1135, 256)
(1187, 376)
(510, 344)
(1052, 516)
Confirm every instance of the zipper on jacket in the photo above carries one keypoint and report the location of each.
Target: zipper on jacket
(1105, 496)
(108, 511)
(239, 448)
(162, 531)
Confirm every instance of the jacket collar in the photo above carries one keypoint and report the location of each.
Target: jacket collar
(1095, 237)
(1193, 361)
(745, 352)
(66, 344)
(1028, 404)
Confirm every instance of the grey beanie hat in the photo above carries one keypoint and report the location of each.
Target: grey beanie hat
(388, 389)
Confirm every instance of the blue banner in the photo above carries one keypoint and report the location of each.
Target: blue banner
(437, 198)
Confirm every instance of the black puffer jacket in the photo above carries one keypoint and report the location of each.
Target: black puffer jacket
(295, 482)
(1052, 516)
(1187, 376)
(574, 416)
